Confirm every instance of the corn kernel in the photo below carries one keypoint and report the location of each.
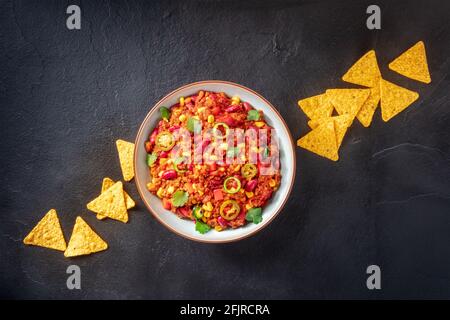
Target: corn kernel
(272, 183)
(194, 186)
(160, 174)
(207, 214)
(170, 189)
(237, 168)
(249, 194)
(242, 191)
(208, 206)
(187, 100)
(182, 118)
(236, 99)
(218, 228)
(259, 124)
(160, 192)
(204, 219)
(162, 161)
(248, 206)
(182, 101)
(210, 118)
(196, 117)
(200, 192)
(222, 169)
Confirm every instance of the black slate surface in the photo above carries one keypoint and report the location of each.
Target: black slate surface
(66, 96)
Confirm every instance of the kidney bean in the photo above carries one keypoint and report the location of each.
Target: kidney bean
(173, 128)
(247, 106)
(215, 111)
(169, 174)
(222, 221)
(164, 154)
(191, 167)
(251, 185)
(153, 136)
(233, 108)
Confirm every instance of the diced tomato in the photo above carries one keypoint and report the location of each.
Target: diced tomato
(212, 166)
(189, 188)
(218, 195)
(166, 204)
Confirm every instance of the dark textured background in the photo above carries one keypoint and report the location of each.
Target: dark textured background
(66, 96)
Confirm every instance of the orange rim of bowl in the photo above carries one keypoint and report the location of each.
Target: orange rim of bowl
(141, 130)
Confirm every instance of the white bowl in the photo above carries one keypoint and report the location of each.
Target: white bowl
(184, 227)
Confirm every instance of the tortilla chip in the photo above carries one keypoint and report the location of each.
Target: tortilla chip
(316, 107)
(348, 101)
(341, 124)
(321, 141)
(108, 183)
(47, 233)
(84, 240)
(413, 63)
(365, 114)
(126, 155)
(111, 203)
(365, 71)
(395, 99)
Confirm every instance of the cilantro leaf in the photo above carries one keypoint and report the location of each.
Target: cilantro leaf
(202, 227)
(254, 215)
(165, 113)
(151, 158)
(253, 115)
(194, 125)
(180, 198)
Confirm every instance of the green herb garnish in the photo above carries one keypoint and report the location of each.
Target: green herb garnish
(254, 215)
(253, 115)
(180, 198)
(202, 227)
(193, 125)
(151, 158)
(165, 113)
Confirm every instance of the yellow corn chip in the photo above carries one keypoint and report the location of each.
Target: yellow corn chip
(413, 63)
(126, 155)
(84, 240)
(47, 233)
(108, 183)
(365, 71)
(395, 99)
(321, 141)
(111, 203)
(316, 107)
(367, 110)
(348, 101)
(341, 124)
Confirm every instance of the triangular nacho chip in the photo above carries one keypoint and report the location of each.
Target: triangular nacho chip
(367, 110)
(348, 101)
(126, 155)
(395, 99)
(108, 183)
(316, 107)
(84, 240)
(111, 203)
(413, 63)
(321, 141)
(47, 233)
(341, 124)
(365, 71)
